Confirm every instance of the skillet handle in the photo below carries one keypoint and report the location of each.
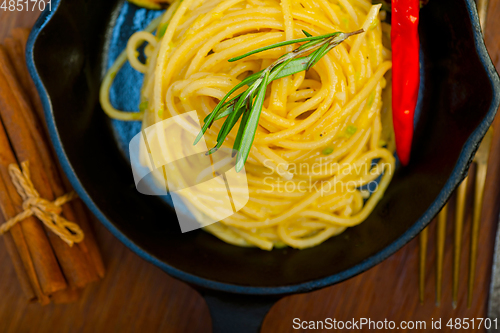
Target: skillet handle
(237, 313)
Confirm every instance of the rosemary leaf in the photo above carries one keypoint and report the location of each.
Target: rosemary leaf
(310, 45)
(287, 42)
(241, 130)
(251, 125)
(228, 126)
(295, 66)
(316, 55)
(213, 114)
(225, 112)
(306, 33)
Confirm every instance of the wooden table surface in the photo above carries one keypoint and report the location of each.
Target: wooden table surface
(135, 296)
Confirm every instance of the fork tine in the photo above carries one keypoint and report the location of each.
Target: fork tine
(482, 8)
(478, 200)
(424, 238)
(441, 238)
(457, 249)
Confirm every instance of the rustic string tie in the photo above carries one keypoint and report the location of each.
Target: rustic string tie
(46, 211)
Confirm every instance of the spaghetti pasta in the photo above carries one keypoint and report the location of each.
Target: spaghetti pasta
(319, 162)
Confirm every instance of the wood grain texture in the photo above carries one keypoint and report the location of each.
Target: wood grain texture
(135, 296)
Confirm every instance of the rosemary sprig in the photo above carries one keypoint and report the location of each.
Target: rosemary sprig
(248, 104)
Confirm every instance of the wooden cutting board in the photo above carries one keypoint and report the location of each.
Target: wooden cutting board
(135, 296)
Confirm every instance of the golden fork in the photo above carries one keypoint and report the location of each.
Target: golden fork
(481, 160)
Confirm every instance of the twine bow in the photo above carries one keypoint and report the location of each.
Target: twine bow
(46, 211)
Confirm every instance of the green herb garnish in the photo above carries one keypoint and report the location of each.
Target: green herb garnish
(371, 98)
(143, 106)
(248, 104)
(327, 151)
(350, 130)
(161, 30)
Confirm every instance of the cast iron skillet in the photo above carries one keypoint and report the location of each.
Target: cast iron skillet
(460, 93)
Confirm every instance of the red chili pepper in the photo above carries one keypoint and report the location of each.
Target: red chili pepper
(405, 72)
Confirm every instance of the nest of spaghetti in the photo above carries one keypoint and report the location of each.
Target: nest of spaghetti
(322, 155)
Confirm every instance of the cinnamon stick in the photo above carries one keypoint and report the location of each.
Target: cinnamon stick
(17, 54)
(59, 183)
(22, 275)
(72, 260)
(29, 236)
(15, 51)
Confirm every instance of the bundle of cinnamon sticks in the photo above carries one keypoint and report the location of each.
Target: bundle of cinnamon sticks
(48, 268)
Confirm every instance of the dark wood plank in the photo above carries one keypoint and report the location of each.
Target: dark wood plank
(135, 296)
